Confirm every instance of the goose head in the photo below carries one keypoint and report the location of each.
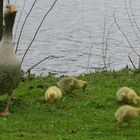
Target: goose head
(9, 17)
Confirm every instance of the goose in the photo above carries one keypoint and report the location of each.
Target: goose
(1, 18)
(10, 67)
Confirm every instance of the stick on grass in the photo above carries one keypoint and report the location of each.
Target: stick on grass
(131, 62)
(51, 56)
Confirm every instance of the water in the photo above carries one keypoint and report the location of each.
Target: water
(74, 30)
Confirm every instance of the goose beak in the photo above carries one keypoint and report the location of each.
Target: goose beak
(11, 9)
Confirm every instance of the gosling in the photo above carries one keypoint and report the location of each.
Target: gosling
(53, 94)
(125, 114)
(68, 84)
(125, 94)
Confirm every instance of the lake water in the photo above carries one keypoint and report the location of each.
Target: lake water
(75, 30)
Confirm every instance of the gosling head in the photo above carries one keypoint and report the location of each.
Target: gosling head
(138, 110)
(136, 100)
(52, 97)
(83, 84)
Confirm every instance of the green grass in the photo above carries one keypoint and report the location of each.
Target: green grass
(80, 116)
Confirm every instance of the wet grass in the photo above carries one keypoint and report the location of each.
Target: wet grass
(80, 116)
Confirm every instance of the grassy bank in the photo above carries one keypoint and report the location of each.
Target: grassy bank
(81, 116)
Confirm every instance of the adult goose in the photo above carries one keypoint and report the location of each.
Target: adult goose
(10, 68)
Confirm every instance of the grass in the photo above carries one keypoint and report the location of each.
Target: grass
(80, 116)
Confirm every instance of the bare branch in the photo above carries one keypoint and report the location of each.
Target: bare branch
(131, 62)
(125, 35)
(133, 16)
(131, 22)
(106, 41)
(24, 25)
(103, 43)
(38, 30)
(90, 49)
(139, 64)
(8, 2)
(19, 20)
(51, 56)
(106, 47)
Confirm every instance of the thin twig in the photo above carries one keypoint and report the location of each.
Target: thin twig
(38, 30)
(103, 43)
(51, 56)
(8, 2)
(90, 49)
(133, 16)
(131, 62)
(139, 64)
(19, 20)
(124, 35)
(109, 63)
(24, 25)
(106, 41)
(131, 22)
(106, 45)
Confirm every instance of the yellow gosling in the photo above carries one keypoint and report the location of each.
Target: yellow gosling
(125, 94)
(68, 84)
(81, 84)
(125, 114)
(53, 93)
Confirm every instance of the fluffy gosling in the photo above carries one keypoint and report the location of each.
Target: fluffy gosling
(53, 93)
(125, 94)
(68, 84)
(125, 114)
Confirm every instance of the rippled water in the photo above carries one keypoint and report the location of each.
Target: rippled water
(75, 30)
